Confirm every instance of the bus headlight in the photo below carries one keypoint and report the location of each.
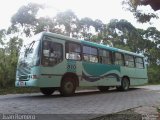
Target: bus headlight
(17, 78)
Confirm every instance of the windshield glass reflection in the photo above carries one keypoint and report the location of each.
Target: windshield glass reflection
(29, 53)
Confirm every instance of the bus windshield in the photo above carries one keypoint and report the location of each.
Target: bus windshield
(29, 55)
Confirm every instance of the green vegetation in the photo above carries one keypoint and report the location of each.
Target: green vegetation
(142, 16)
(119, 33)
(13, 90)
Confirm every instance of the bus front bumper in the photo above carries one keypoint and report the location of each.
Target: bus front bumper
(29, 83)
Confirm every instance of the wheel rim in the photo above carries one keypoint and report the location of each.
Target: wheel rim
(125, 84)
(69, 87)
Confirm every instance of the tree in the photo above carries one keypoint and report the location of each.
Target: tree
(85, 25)
(26, 18)
(122, 33)
(155, 4)
(153, 34)
(98, 25)
(2, 55)
(12, 54)
(9, 52)
(70, 22)
(47, 24)
(2, 36)
(100, 28)
(141, 16)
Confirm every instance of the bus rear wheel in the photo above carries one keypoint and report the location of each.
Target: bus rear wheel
(47, 91)
(103, 88)
(68, 87)
(124, 84)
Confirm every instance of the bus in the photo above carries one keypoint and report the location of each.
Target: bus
(55, 62)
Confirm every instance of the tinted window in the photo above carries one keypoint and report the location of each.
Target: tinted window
(73, 51)
(105, 56)
(129, 61)
(51, 53)
(89, 50)
(119, 59)
(90, 54)
(139, 62)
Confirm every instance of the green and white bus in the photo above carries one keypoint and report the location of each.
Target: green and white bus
(56, 62)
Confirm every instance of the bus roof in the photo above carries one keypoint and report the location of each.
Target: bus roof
(62, 37)
(66, 38)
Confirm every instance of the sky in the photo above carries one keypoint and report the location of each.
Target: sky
(104, 10)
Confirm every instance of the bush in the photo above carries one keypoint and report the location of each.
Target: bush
(153, 74)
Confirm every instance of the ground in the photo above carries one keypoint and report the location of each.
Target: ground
(147, 112)
(86, 104)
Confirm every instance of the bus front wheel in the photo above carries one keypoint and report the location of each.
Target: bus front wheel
(103, 88)
(47, 91)
(68, 87)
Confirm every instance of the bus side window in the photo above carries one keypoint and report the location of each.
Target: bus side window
(73, 51)
(139, 62)
(118, 60)
(90, 54)
(104, 56)
(86, 53)
(129, 61)
(46, 47)
(52, 53)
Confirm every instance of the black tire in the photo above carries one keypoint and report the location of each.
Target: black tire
(103, 88)
(68, 87)
(47, 91)
(124, 84)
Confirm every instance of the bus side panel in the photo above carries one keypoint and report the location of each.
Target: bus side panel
(136, 76)
(129, 72)
(96, 74)
(140, 77)
(51, 76)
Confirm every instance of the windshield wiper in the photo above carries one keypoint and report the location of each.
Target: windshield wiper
(28, 50)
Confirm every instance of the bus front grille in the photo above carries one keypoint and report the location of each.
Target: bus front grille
(23, 78)
(23, 73)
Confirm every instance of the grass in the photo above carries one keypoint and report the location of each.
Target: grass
(15, 90)
(153, 84)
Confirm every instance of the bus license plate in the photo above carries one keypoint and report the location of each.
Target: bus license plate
(22, 83)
